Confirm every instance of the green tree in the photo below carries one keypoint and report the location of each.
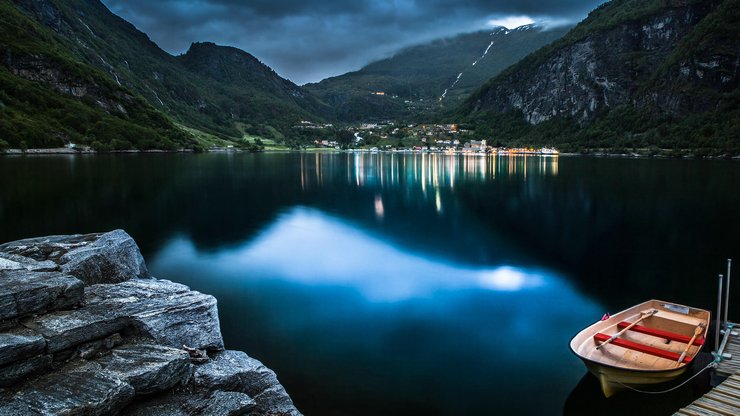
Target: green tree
(345, 138)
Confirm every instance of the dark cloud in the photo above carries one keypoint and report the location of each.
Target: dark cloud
(306, 41)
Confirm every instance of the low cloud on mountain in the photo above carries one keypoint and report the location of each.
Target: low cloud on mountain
(309, 40)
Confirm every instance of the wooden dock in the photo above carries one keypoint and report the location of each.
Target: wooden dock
(723, 399)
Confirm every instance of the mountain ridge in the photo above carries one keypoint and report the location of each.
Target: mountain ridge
(234, 66)
(87, 33)
(635, 74)
(628, 77)
(49, 98)
(414, 79)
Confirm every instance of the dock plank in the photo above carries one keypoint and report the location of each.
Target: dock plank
(699, 411)
(723, 399)
(718, 407)
(727, 392)
(726, 400)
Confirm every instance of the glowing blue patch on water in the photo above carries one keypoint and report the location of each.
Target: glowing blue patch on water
(308, 247)
(324, 301)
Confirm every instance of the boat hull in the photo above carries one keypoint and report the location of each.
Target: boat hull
(649, 343)
(613, 380)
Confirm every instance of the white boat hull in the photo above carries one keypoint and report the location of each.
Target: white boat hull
(613, 380)
(622, 354)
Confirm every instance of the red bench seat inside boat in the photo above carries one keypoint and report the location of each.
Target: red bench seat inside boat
(670, 355)
(661, 334)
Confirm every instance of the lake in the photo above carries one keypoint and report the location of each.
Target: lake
(397, 284)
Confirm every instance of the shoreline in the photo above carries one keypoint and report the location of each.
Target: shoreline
(67, 151)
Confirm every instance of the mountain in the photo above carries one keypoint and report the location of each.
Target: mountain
(424, 77)
(242, 88)
(234, 67)
(217, 90)
(48, 97)
(635, 74)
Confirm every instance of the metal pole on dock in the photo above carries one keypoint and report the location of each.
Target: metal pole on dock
(727, 291)
(719, 311)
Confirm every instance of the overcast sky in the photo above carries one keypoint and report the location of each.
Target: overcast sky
(307, 40)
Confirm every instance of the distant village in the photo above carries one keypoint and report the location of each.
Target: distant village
(391, 137)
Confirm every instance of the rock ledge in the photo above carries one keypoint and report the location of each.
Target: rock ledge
(85, 330)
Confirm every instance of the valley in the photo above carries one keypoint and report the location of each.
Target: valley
(637, 77)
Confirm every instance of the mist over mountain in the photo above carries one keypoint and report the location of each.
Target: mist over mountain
(633, 75)
(423, 78)
(640, 76)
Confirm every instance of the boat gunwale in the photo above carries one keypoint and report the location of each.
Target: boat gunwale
(683, 367)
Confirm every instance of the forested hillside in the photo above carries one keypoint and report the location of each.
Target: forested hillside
(420, 80)
(655, 76)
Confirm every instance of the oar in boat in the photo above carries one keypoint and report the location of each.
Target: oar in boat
(698, 330)
(644, 314)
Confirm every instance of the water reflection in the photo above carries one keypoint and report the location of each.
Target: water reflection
(333, 306)
(345, 329)
(307, 247)
(424, 170)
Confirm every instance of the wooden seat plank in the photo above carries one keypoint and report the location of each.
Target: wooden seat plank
(670, 355)
(661, 334)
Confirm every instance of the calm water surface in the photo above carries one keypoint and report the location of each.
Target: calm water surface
(407, 284)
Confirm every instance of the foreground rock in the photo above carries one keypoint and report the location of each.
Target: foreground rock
(149, 368)
(24, 293)
(85, 330)
(166, 312)
(93, 258)
(78, 392)
(235, 371)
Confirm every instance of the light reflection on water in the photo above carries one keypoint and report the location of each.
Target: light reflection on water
(307, 247)
(424, 329)
(384, 284)
(426, 170)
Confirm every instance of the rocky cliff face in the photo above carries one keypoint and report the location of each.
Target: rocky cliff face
(46, 71)
(423, 77)
(647, 61)
(85, 330)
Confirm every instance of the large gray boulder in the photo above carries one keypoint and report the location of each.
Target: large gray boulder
(103, 385)
(20, 345)
(18, 371)
(86, 392)
(24, 293)
(149, 368)
(84, 330)
(168, 313)
(172, 404)
(113, 257)
(193, 403)
(236, 371)
(228, 403)
(9, 261)
(93, 258)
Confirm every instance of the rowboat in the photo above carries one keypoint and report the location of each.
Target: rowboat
(650, 343)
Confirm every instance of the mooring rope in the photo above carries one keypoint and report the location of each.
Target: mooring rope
(713, 364)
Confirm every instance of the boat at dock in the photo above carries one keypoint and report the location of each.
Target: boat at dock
(650, 343)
